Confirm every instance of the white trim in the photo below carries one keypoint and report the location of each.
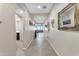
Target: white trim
(50, 42)
(28, 45)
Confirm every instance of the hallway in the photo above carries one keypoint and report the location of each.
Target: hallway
(59, 21)
(38, 47)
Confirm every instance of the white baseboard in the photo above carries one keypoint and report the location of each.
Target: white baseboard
(50, 42)
(28, 45)
(7, 54)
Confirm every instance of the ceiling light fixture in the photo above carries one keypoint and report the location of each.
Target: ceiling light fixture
(39, 7)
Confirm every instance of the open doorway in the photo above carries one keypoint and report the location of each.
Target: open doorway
(18, 25)
(19, 22)
(19, 30)
(40, 29)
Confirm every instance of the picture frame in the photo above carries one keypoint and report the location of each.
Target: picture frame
(52, 22)
(30, 23)
(68, 18)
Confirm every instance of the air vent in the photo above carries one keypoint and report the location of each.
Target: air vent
(44, 7)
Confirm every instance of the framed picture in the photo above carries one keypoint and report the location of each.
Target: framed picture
(52, 22)
(30, 23)
(68, 18)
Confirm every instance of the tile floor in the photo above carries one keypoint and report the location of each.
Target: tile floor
(39, 47)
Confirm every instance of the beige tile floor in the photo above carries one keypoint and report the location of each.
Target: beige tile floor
(39, 47)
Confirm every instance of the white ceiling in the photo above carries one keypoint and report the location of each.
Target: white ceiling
(33, 7)
(35, 11)
(19, 10)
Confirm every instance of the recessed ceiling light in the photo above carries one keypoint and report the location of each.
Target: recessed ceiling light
(39, 7)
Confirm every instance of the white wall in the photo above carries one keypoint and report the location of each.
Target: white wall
(28, 34)
(19, 26)
(18, 23)
(23, 27)
(7, 29)
(65, 42)
(28, 37)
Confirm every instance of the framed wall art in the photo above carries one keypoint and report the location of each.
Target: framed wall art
(52, 22)
(68, 18)
(30, 23)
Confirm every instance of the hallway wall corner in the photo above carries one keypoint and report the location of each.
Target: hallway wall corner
(53, 47)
